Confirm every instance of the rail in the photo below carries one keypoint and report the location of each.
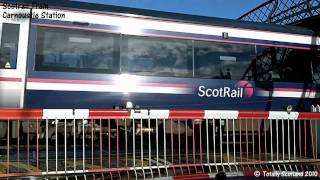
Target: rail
(156, 143)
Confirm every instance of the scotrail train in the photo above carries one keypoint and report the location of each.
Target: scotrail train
(99, 56)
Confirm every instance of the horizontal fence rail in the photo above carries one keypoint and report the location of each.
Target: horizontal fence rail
(156, 143)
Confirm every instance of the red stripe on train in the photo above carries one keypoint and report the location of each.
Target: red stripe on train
(293, 90)
(73, 81)
(68, 81)
(13, 79)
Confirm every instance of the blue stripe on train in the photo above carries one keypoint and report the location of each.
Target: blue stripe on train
(106, 100)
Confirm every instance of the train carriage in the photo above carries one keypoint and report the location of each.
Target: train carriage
(73, 58)
(89, 56)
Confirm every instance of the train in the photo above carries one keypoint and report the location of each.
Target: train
(76, 55)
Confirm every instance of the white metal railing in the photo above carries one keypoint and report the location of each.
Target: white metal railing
(156, 143)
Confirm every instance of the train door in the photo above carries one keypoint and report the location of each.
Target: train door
(14, 30)
(316, 80)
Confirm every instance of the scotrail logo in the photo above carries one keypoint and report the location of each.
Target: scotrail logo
(240, 90)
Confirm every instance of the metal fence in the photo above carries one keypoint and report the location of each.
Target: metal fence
(144, 144)
(283, 11)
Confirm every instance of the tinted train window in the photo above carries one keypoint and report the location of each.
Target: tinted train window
(316, 71)
(156, 57)
(316, 67)
(223, 61)
(9, 46)
(76, 50)
(283, 64)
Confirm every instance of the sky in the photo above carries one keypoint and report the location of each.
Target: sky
(231, 9)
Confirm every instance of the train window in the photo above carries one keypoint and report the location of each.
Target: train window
(9, 46)
(316, 68)
(156, 57)
(223, 61)
(76, 51)
(283, 64)
(265, 55)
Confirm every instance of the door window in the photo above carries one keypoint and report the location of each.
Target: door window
(9, 46)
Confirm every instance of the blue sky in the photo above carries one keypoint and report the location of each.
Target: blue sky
(218, 8)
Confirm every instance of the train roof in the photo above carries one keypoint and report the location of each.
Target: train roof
(154, 14)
